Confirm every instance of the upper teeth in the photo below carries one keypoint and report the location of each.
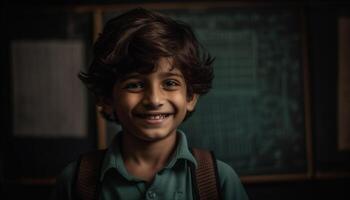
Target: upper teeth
(156, 117)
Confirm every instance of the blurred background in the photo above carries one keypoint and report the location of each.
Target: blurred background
(278, 113)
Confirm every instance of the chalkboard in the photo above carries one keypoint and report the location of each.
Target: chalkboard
(253, 118)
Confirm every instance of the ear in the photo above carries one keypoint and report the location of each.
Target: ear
(191, 102)
(105, 105)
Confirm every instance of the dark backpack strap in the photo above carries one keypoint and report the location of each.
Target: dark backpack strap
(205, 178)
(89, 167)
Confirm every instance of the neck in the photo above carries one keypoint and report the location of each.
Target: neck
(145, 158)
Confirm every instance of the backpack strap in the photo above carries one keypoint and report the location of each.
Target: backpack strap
(205, 178)
(89, 167)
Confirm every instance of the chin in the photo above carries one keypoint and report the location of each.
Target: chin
(153, 136)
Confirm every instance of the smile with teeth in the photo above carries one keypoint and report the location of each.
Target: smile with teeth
(154, 116)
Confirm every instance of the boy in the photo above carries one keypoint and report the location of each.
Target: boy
(147, 73)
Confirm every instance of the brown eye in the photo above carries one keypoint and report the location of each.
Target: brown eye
(134, 86)
(171, 84)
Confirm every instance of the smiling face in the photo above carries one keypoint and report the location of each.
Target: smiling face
(151, 106)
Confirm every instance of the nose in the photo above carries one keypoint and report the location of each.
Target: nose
(153, 97)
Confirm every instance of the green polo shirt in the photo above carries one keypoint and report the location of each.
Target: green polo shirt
(173, 182)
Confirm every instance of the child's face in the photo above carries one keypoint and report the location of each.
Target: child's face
(152, 106)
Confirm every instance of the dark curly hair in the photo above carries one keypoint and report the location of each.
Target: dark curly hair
(135, 41)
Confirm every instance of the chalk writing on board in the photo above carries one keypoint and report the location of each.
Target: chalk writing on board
(254, 116)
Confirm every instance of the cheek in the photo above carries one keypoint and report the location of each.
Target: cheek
(180, 101)
(125, 103)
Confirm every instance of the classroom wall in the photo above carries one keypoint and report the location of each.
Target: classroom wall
(322, 51)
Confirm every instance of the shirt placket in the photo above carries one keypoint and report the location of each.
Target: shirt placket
(153, 191)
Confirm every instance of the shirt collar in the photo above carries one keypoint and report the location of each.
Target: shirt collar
(182, 151)
(114, 160)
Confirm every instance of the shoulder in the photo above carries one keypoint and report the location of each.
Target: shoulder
(64, 183)
(230, 184)
(226, 173)
(69, 170)
(68, 173)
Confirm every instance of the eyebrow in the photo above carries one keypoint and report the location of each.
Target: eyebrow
(130, 76)
(167, 74)
(139, 75)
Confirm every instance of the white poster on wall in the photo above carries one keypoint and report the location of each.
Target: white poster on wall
(49, 101)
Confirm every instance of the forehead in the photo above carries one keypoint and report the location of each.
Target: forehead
(164, 66)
